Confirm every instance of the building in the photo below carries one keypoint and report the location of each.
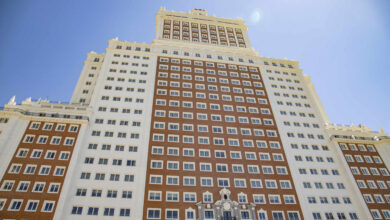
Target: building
(195, 125)
(38, 142)
(365, 154)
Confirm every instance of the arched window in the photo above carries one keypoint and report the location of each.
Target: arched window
(207, 197)
(262, 215)
(190, 214)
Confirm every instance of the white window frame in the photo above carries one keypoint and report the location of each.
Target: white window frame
(45, 202)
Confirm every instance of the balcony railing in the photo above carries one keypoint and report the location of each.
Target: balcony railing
(43, 114)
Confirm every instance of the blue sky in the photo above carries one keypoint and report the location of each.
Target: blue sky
(344, 45)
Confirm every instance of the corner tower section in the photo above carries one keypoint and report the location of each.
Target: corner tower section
(365, 155)
(39, 144)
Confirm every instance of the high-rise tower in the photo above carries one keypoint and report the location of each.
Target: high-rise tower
(195, 125)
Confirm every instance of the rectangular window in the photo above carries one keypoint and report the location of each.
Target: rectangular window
(15, 204)
(153, 213)
(32, 205)
(47, 206)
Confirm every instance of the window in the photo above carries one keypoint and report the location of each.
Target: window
(189, 166)
(93, 211)
(189, 197)
(223, 182)
(289, 199)
(85, 175)
(108, 212)
(81, 192)
(206, 181)
(73, 128)
(15, 168)
(173, 151)
(60, 127)
(267, 169)
(253, 169)
(29, 139)
(172, 180)
(154, 213)
(361, 184)
(237, 168)
(173, 138)
(155, 179)
(23, 186)
(42, 139)
(44, 170)
(154, 196)
(15, 204)
(172, 165)
(35, 125)
(47, 126)
(242, 198)
(375, 214)
(221, 168)
(311, 200)
(114, 177)
(261, 144)
(172, 196)
(55, 140)
(59, 171)
(157, 150)
(22, 152)
(190, 214)
(386, 214)
(188, 127)
(278, 215)
(186, 139)
(281, 170)
(124, 212)
(341, 215)
(77, 210)
(240, 183)
(47, 206)
(54, 188)
(218, 141)
(204, 153)
(99, 176)
(203, 140)
(250, 156)
(50, 154)
(158, 137)
(112, 193)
